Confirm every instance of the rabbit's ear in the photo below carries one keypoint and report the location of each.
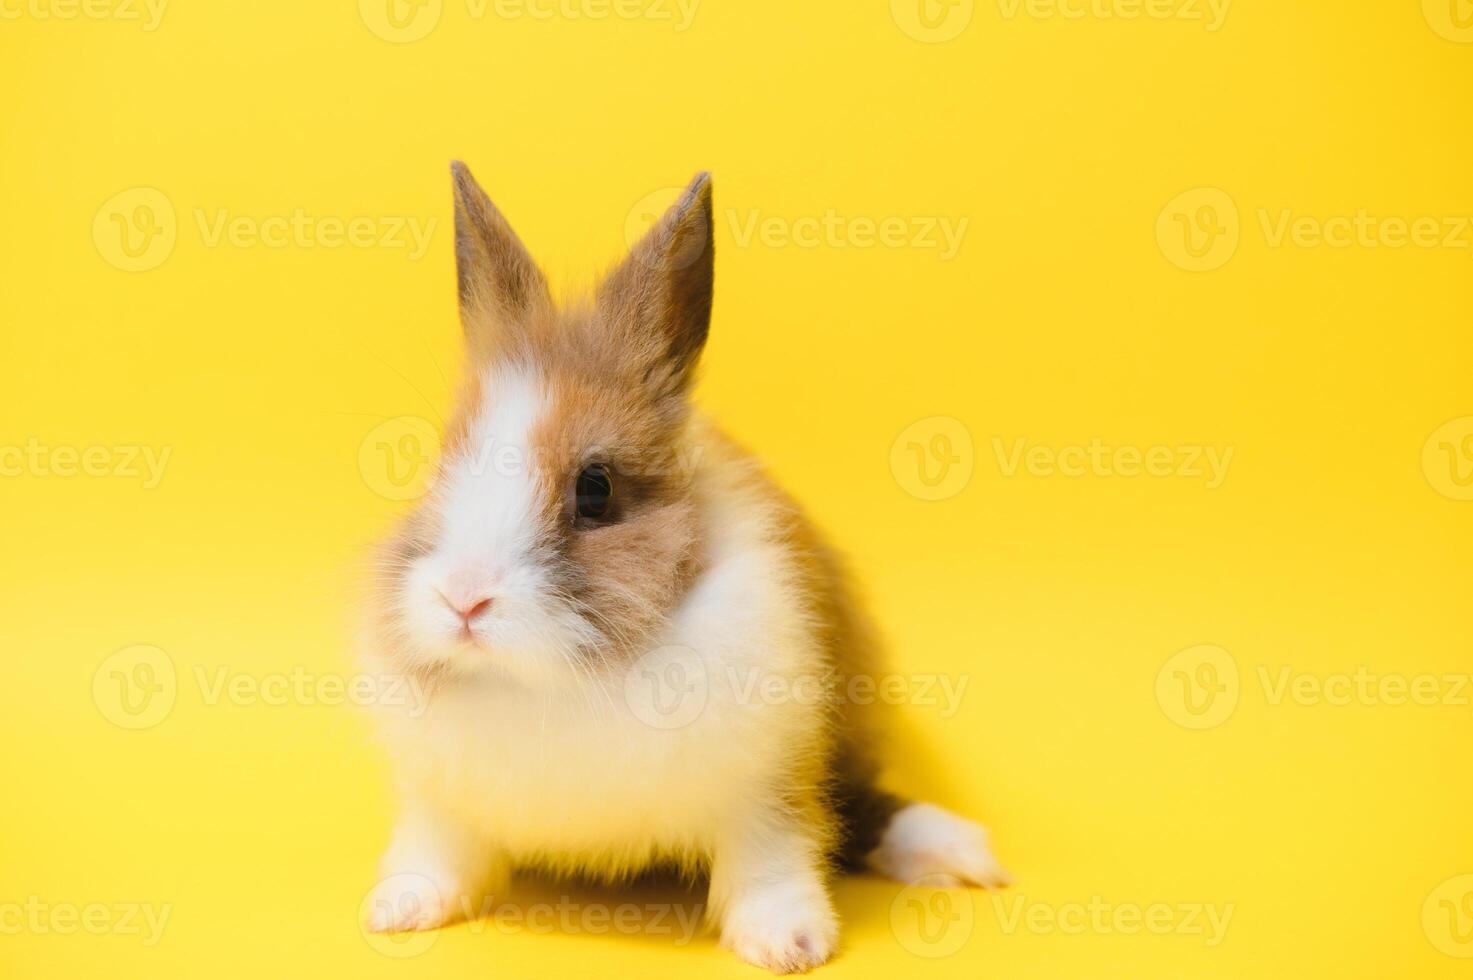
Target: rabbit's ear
(499, 282)
(658, 300)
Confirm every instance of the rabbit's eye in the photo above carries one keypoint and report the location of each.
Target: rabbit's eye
(595, 492)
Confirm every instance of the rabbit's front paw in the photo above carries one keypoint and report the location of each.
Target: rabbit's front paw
(408, 902)
(782, 927)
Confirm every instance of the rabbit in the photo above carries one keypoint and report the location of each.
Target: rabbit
(632, 644)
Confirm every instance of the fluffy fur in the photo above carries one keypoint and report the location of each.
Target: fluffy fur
(535, 631)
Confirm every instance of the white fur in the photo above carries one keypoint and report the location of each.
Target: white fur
(580, 772)
(925, 842)
(786, 925)
(488, 547)
(525, 758)
(502, 769)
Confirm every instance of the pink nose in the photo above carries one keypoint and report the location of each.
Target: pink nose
(468, 595)
(468, 613)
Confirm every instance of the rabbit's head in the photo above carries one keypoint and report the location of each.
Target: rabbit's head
(560, 530)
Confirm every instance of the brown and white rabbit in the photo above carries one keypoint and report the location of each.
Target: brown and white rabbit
(635, 649)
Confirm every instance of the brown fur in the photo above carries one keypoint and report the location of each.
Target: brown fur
(617, 372)
(839, 788)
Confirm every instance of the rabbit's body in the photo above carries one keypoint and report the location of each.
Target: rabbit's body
(643, 764)
(616, 683)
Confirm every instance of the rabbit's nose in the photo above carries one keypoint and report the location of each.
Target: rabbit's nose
(467, 608)
(468, 595)
(469, 613)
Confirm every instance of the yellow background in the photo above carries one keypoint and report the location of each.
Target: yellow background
(1061, 320)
